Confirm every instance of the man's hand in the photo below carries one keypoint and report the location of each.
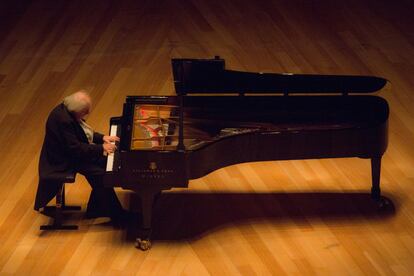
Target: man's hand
(110, 139)
(109, 148)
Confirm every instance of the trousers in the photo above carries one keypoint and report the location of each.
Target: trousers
(103, 201)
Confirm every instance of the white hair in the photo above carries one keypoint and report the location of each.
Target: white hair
(78, 103)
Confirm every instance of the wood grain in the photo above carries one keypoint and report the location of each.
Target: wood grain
(270, 218)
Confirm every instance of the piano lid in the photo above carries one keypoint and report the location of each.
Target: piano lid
(210, 76)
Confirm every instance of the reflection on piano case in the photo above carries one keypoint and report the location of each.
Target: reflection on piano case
(221, 117)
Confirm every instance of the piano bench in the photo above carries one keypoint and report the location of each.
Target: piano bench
(60, 206)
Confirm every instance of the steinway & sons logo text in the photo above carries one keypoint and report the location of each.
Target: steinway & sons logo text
(153, 172)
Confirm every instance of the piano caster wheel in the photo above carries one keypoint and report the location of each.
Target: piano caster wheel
(143, 244)
(383, 204)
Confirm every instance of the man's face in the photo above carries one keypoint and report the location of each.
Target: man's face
(83, 115)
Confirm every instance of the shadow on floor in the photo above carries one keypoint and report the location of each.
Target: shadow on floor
(187, 215)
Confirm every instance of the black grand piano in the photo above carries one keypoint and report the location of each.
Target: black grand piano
(221, 117)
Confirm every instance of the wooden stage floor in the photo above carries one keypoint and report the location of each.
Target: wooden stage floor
(272, 218)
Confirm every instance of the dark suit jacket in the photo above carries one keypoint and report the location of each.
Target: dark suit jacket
(64, 149)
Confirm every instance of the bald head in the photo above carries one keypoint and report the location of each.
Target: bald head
(79, 103)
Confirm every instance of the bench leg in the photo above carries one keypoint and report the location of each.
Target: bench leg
(60, 206)
(68, 207)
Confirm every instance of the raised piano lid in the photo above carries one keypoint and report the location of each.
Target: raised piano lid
(210, 76)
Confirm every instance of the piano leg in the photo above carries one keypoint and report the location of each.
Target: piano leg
(376, 172)
(376, 190)
(147, 197)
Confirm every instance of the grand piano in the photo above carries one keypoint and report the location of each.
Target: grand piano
(221, 117)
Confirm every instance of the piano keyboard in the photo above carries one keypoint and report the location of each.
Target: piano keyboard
(111, 156)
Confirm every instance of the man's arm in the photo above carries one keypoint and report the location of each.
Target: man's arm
(77, 149)
(98, 138)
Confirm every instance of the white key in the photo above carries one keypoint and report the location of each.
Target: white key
(110, 160)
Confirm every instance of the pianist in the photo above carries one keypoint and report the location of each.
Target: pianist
(71, 145)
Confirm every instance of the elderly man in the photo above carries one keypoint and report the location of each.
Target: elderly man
(71, 145)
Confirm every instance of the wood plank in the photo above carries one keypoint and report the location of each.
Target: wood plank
(286, 217)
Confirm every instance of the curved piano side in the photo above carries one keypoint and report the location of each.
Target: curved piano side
(364, 134)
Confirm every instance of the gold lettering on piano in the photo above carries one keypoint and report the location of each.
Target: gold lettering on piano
(153, 166)
(153, 172)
